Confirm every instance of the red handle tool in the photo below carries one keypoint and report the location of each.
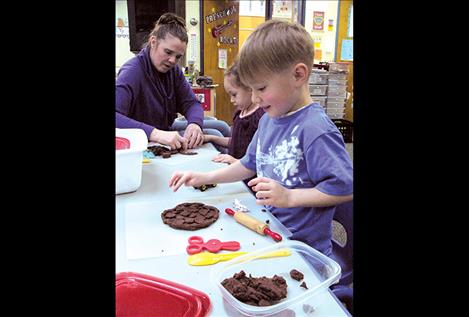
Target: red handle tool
(253, 224)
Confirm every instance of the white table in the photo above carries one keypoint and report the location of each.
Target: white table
(166, 258)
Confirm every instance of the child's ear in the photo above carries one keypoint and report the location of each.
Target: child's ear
(301, 73)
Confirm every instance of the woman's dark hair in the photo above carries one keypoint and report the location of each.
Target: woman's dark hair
(172, 24)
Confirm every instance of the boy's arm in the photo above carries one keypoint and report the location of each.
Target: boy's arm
(231, 173)
(311, 197)
(270, 192)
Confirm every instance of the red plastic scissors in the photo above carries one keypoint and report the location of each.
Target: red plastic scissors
(196, 245)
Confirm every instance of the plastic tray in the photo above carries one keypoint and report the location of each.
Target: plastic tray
(148, 296)
(319, 273)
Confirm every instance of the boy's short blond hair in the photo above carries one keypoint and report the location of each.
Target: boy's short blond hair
(274, 46)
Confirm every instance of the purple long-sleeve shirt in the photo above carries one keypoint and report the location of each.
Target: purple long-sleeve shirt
(147, 99)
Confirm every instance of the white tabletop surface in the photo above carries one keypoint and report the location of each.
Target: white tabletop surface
(145, 245)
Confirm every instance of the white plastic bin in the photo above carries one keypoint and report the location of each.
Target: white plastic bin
(129, 161)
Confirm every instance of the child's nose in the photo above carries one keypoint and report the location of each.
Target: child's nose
(255, 99)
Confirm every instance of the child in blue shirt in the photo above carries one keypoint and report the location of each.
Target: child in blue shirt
(303, 169)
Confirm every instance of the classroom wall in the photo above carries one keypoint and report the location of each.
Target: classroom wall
(324, 40)
(247, 24)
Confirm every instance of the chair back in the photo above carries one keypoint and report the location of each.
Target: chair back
(342, 251)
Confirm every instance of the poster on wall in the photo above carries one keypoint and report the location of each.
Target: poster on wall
(318, 20)
(122, 28)
(282, 9)
(346, 53)
(222, 58)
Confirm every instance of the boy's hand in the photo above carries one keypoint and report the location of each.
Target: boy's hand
(269, 192)
(187, 178)
(224, 158)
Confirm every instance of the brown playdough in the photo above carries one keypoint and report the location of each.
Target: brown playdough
(256, 291)
(163, 151)
(190, 216)
(296, 275)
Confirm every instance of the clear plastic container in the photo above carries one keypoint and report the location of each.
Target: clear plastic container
(319, 273)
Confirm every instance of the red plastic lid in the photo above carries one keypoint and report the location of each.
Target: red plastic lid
(122, 143)
(148, 296)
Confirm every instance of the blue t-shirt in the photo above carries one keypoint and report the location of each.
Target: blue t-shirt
(303, 150)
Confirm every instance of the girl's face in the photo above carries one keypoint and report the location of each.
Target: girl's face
(239, 96)
(275, 93)
(166, 53)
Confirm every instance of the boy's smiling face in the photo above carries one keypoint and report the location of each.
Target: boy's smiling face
(276, 93)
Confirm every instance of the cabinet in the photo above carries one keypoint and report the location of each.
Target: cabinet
(337, 90)
(318, 86)
(208, 99)
(329, 88)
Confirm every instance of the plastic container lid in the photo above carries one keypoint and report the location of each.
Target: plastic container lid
(122, 143)
(319, 273)
(148, 296)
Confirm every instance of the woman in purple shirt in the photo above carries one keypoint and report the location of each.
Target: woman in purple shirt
(151, 88)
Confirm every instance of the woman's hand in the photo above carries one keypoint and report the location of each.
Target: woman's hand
(224, 158)
(194, 136)
(171, 138)
(269, 192)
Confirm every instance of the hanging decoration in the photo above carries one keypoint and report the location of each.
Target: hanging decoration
(220, 14)
(216, 31)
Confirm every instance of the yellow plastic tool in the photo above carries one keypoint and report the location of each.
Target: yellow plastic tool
(208, 258)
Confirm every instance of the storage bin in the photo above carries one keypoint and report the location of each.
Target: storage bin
(335, 111)
(335, 82)
(335, 115)
(339, 67)
(319, 271)
(320, 99)
(335, 105)
(337, 91)
(337, 76)
(318, 90)
(129, 160)
(318, 78)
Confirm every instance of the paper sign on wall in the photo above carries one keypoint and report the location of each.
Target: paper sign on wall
(318, 20)
(222, 58)
(346, 53)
